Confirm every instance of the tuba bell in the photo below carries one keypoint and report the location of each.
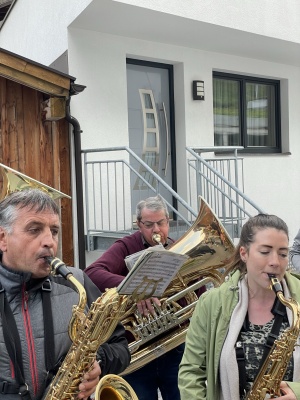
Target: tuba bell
(16, 181)
(209, 247)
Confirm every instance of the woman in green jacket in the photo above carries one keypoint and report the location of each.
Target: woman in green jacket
(235, 320)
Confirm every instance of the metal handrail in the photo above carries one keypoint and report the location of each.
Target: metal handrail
(181, 222)
(234, 202)
(105, 177)
(233, 187)
(146, 166)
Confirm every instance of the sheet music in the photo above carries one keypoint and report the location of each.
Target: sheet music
(151, 273)
(132, 258)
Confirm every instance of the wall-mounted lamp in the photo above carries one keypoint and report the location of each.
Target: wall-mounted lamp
(198, 90)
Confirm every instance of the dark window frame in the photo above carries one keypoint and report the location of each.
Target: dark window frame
(243, 79)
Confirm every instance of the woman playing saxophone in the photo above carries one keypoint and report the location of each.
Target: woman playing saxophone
(234, 326)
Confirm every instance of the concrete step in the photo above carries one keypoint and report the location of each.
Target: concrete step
(103, 240)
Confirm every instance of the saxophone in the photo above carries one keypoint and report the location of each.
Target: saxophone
(87, 332)
(273, 369)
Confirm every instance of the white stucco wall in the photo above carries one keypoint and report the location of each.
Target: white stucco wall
(98, 61)
(278, 19)
(38, 29)
(45, 22)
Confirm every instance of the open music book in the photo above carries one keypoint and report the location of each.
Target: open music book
(150, 272)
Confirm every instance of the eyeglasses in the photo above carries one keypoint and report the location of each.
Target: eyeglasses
(149, 225)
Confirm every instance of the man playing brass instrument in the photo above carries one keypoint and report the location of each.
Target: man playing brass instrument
(36, 308)
(109, 270)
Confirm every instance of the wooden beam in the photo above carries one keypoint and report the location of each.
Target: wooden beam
(33, 75)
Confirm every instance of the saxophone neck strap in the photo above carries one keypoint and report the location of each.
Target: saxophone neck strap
(48, 325)
(279, 311)
(13, 342)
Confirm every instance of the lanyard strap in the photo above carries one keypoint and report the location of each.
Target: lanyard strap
(13, 345)
(13, 342)
(280, 312)
(48, 325)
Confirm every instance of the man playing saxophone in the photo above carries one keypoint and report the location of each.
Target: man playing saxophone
(234, 326)
(36, 307)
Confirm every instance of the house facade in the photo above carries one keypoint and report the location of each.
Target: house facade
(162, 76)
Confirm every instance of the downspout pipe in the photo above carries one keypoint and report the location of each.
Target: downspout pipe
(79, 185)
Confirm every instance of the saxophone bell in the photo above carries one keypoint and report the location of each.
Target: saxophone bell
(113, 387)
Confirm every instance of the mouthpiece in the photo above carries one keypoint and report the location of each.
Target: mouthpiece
(58, 267)
(156, 238)
(275, 284)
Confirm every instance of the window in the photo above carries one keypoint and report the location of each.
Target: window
(246, 113)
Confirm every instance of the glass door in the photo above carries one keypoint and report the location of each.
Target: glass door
(151, 126)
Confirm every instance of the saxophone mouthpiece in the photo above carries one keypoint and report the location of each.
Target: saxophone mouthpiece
(275, 284)
(58, 267)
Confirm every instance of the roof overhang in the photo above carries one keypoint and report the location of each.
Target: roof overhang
(35, 75)
(142, 23)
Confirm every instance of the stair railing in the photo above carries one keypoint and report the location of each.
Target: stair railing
(228, 201)
(108, 197)
(107, 178)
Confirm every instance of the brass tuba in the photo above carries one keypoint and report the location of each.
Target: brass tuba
(208, 246)
(16, 181)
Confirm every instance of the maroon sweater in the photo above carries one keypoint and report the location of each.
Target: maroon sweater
(110, 269)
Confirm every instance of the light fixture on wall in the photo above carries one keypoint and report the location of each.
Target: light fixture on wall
(198, 90)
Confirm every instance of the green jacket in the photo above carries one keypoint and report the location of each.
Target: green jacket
(199, 369)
